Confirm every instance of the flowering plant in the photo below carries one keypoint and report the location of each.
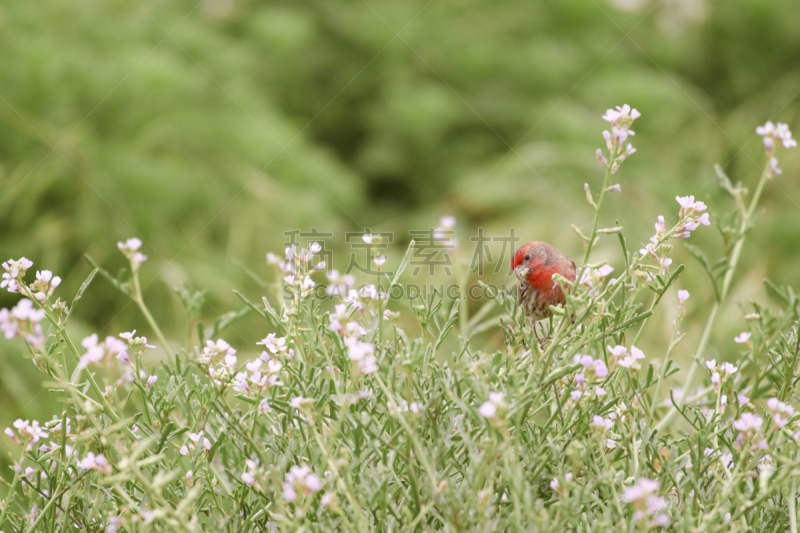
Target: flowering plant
(346, 421)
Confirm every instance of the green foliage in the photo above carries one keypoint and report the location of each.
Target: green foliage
(347, 421)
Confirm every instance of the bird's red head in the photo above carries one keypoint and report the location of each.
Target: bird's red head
(528, 253)
(537, 262)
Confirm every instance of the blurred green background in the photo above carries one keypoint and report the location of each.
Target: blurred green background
(209, 128)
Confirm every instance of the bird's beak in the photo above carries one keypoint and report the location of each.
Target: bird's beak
(521, 271)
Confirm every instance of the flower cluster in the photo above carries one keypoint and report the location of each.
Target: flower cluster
(690, 216)
(23, 321)
(601, 425)
(593, 369)
(97, 352)
(14, 272)
(621, 119)
(781, 412)
(361, 353)
(624, 359)
(592, 277)
(275, 346)
(749, 427)
(223, 372)
(136, 344)
(131, 250)
(300, 481)
(776, 133)
(44, 285)
(364, 296)
(257, 381)
(214, 350)
(298, 269)
(252, 474)
(28, 432)
(340, 321)
(95, 462)
(194, 442)
(690, 219)
(647, 503)
(720, 374)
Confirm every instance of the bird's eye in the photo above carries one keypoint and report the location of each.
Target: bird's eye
(527, 257)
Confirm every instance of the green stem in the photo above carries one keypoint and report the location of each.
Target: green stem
(139, 299)
(596, 223)
(12, 490)
(726, 284)
(792, 507)
(661, 373)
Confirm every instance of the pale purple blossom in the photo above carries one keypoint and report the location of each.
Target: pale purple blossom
(742, 337)
(602, 423)
(771, 133)
(781, 412)
(300, 481)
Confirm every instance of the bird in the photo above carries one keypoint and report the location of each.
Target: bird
(534, 264)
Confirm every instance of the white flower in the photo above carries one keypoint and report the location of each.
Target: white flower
(357, 350)
(274, 344)
(683, 295)
(368, 365)
(298, 401)
(447, 222)
(487, 410)
(129, 248)
(379, 261)
(781, 132)
(742, 337)
(367, 238)
(622, 116)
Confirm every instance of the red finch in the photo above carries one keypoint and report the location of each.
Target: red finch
(534, 264)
